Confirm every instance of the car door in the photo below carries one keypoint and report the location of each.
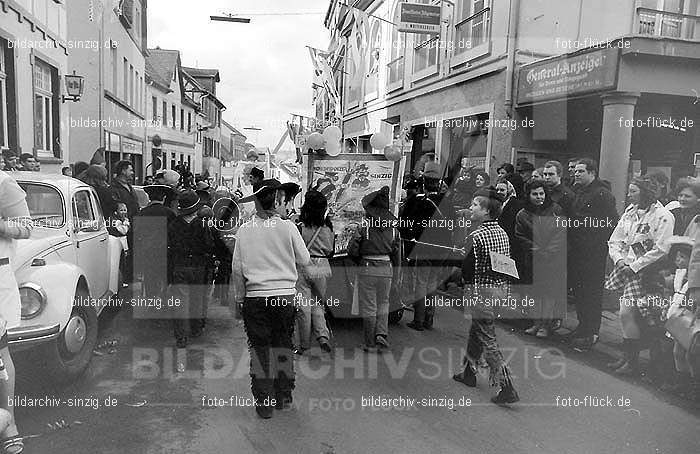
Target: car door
(91, 241)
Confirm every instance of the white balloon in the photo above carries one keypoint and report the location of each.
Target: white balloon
(393, 152)
(379, 141)
(316, 141)
(333, 149)
(332, 134)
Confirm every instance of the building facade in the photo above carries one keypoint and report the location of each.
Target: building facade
(172, 112)
(478, 92)
(201, 83)
(34, 51)
(113, 111)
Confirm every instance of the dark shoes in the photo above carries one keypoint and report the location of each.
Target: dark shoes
(415, 325)
(468, 377)
(264, 411)
(506, 395)
(325, 346)
(584, 343)
(382, 343)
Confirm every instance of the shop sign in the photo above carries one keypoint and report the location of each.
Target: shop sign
(132, 146)
(568, 76)
(419, 18)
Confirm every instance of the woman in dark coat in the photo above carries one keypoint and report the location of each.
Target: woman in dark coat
(96, 176)
(688, 191)
(540, 233)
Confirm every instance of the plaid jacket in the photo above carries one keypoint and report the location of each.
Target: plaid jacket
(489, 237)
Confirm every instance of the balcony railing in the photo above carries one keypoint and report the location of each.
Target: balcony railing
(668, 25)
(472, 31)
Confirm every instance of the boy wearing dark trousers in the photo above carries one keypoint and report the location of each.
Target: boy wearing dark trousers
(484, 287)
(267, 252)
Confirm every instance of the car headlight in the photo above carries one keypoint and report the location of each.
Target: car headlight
(33, 300)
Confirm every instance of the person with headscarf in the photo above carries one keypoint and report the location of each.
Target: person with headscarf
(540, 233)
(511, 207)
(375, 247)
(639, 240)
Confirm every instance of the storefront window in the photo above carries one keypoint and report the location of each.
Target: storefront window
(465, 140)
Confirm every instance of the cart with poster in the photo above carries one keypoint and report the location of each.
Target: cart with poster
(344, 180)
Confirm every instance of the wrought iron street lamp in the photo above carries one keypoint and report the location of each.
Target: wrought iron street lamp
(75, 85)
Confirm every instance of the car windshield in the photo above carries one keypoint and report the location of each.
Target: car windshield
(45, 205)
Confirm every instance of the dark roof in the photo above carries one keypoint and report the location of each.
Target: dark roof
(160, 65)
(207, 78)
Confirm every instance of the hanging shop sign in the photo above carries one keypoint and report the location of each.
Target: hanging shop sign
(419, 18)
(568, 76)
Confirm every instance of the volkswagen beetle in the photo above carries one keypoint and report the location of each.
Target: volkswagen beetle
(68, 272)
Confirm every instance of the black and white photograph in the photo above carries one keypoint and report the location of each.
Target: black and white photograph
(350, 226)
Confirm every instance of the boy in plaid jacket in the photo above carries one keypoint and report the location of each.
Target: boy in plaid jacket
(487, 287)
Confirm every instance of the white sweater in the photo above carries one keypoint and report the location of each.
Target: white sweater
(265, 258)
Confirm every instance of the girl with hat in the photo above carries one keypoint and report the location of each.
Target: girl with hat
(637, 243)
(317, 231)
(375, 247)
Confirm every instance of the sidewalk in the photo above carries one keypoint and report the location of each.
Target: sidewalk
(610, 336)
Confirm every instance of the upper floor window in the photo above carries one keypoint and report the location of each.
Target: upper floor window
(46, 124)
(669, 18)
(397, 52)
(182, 119)
(173, 111)
(472, 24)
(154, 108)
(425, 51)
(4, 120)
(165, 113)
(373, 61)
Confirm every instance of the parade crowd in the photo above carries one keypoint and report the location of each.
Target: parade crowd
(559, 226)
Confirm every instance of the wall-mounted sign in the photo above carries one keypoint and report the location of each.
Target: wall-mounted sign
(568, 75)
(419, 18)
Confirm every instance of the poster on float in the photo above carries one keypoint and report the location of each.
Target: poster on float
(345, 180)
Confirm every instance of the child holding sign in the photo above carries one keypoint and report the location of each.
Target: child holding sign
(485, 285)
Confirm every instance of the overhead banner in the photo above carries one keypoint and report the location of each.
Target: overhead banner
(568, 75)
(345, 180)
(419, 18)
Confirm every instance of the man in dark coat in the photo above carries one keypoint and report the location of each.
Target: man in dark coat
(190, 246)
(592, 220)
(122, 191)
(150, 241)
(558, 192)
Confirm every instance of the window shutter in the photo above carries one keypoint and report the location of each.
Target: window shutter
(56, 114)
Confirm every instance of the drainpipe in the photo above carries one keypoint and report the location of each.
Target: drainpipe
(510, 64)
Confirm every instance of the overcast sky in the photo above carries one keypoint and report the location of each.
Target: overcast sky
(265, 69)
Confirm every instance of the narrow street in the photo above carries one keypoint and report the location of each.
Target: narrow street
(155, 409)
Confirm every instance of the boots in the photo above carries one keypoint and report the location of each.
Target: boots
(507, 393)
(631, 348)
(468, 377)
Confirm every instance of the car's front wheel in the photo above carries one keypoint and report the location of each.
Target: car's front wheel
(69, 355)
